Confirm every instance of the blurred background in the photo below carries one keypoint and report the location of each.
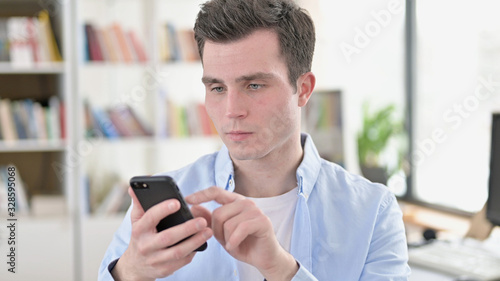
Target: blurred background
(93, 92)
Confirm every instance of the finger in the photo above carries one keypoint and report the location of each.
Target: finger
(199, 211)
(185, 248)
(156, 213)
(137, 210)
(175, 234)
(246, 211)
(244, 229)
(213, 193)
(166, 268)
(222, 215)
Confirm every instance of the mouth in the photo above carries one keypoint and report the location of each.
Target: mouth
(238, 135)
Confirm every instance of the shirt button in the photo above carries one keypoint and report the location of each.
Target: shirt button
(235, 273)
(231, 182)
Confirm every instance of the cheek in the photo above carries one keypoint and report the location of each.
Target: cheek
(282, 117)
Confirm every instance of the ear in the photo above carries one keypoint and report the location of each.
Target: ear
(305, 87)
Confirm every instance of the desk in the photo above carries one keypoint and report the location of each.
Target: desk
(449, 227)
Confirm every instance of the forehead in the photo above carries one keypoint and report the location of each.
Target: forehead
(257, 52)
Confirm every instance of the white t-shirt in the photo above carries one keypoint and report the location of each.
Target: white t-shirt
(281, 210)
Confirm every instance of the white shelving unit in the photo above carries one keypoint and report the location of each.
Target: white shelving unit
(39, 68)
(44, 245)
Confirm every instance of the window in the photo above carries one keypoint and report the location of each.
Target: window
(457, 87)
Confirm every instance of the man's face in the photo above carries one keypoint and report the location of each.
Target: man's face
(249, 97)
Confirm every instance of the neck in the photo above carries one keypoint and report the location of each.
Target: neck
(269, 176)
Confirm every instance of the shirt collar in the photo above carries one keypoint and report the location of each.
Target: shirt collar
(307, 172)
(224, 170)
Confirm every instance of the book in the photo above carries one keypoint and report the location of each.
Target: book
(113, 44)
(62, 120)
(40, 122)
(104, 123)
(19, 120)
(163, 40)
(43, 43)
(127, 122)
(206, 123)
(9, 132)
(105, 52)
(137, 46)
(46, 29)
(29, 115)
(117, 200)
(173, 43)
(113, 55)
(93, 46)
(189, 120)
(27, 119)
(31, 30)
(21, 200)
(122, 42)
(54, 118)
(177, 44)
(25, 41)
(187, 45)
(92, 128)
(20, 51)
(4, 40)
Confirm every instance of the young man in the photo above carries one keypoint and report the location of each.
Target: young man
(272, 208)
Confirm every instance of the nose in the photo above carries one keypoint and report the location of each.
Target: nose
(236, 106)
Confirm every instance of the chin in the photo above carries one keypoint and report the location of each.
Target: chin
(246, 151)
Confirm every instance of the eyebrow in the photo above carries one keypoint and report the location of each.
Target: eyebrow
(253, 76)
(210, 80)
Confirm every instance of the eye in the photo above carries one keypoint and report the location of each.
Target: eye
(218, 89)
(254, 86)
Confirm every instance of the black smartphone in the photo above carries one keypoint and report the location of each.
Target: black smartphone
(151, 190)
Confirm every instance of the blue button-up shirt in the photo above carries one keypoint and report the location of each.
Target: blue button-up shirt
(345, 227)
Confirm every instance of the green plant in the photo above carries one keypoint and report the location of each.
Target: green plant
(378, 129)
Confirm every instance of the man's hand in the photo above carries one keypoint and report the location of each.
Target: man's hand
(147, 256)
(245, 232)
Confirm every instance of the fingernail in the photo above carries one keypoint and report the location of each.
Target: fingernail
(207, 234)
(171, 206)
(199, 225)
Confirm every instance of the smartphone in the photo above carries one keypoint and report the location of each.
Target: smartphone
(151, 190)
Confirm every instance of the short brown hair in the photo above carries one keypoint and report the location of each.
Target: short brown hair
(224, 21)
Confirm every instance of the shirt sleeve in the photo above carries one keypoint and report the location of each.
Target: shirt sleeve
(303, 274)
(116, 248)
(387, 258)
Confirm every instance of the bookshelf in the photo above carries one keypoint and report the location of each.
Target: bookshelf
(322, 119)
(35, 69)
